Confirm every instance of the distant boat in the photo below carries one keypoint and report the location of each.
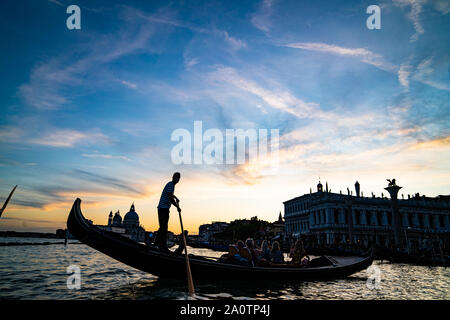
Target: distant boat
(149, 259)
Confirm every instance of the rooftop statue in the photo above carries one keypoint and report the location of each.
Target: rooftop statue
(391, 182)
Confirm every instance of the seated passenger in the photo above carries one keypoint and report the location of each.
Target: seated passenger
(276, 256)
(251, 247)
(244, 252)
(298, 252)
(265, 251)
(239, 253)
(233, 249)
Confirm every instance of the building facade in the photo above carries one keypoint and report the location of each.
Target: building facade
(206, 231)
(336, 218)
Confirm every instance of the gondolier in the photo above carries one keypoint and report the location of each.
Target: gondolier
(167, 199)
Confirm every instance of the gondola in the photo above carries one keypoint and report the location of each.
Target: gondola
(148, 259)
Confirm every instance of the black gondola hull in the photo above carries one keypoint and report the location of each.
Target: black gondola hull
(161, 264)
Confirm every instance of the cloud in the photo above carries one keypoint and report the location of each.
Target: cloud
(166, 17)
(51, 83)
(281, 100)
(424, 72)
(261, 19)
(403, 75)
(11, 134)
(362, 54)
(119, 184)
(432, 144)
(95, 189)
(129, 84)
(442, 6)
(234, 43)
(31, 220)
(413, 15)
(104, 156)
(56, 2)
(66, 138)
(189, 63)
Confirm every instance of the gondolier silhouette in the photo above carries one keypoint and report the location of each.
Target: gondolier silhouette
(167, 199)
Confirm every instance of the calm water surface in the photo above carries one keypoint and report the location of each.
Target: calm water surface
(39, 272)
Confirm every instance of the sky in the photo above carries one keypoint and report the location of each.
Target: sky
(90, 112)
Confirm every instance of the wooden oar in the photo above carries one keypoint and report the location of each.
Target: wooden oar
(7, 200)
(188, 266)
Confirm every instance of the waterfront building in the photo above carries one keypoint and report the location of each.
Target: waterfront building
(332, 218)
(129, 227)
(206, 231)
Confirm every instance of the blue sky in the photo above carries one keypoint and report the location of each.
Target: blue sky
(89, 113)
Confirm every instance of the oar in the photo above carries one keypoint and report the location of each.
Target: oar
(188, 266)
(7, 200)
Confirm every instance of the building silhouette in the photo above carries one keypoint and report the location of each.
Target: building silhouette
(129, 227)
(332, 218)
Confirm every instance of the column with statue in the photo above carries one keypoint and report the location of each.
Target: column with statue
(393, 189)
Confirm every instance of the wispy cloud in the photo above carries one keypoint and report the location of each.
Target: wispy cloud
(56, 2)
(413, 15)
(189, 63)
(362, 54)
(281, 100)
(122, 185)
(442, 6)
(104, 156)
(403, 75)
(424, 72)
(166, 17)
(261, 18)
(10, 133)
(129, 84)
(50, 82)
(69, 138)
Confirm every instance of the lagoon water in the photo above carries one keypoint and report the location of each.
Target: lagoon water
(40, 272)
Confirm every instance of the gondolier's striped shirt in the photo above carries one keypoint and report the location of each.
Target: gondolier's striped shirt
(164, 202)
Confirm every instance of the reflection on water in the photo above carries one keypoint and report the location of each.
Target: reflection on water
(39, 272)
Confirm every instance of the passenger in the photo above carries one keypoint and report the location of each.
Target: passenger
(239, 253)
(276, 256)
(297, 252)
(251, 247)
(233, 249)
(244, 252)
(264, 255)
(265, 251)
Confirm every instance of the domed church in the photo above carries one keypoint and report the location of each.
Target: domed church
(129, 227)
(131, 219)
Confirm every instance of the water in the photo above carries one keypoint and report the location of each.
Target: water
(40, 272)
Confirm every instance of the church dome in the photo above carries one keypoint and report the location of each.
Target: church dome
(117, 220)
(131, 216)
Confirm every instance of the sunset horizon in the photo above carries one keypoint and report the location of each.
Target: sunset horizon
(90, 113)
